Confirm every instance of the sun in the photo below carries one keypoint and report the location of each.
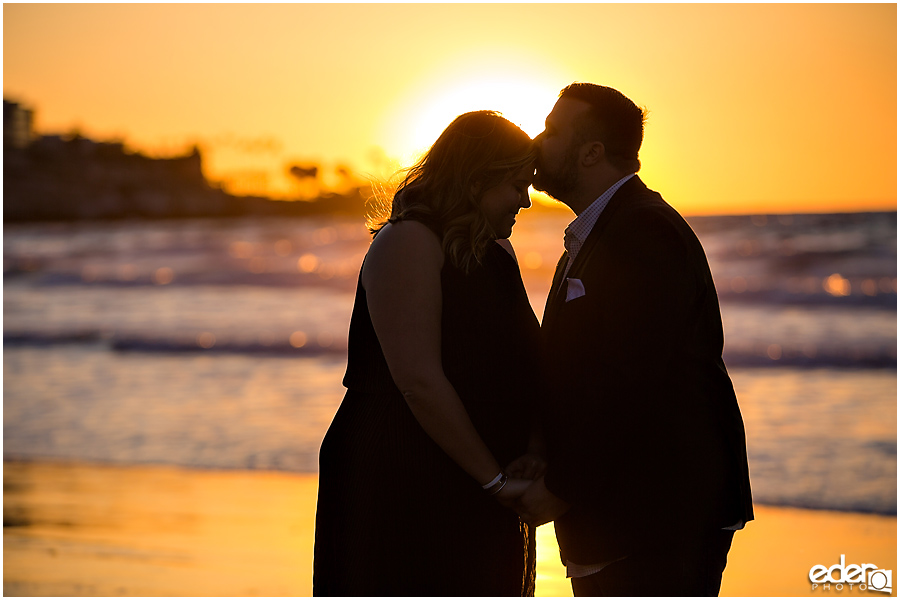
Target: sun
(524, 101)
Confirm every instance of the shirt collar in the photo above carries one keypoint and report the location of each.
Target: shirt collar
(583, 223)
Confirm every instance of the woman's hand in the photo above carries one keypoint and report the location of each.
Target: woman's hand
(528, 466)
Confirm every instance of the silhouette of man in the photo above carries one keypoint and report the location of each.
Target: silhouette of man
(646, 475)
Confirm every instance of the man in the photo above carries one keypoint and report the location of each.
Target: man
(646, 476)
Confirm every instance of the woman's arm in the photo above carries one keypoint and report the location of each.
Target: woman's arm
(402, 279)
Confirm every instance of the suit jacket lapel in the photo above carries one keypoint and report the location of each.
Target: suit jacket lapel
(556, 298)
(554, 287)
(631, 187)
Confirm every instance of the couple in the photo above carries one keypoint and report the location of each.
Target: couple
(466, 424)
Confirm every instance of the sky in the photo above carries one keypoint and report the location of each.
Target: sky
(754, 108)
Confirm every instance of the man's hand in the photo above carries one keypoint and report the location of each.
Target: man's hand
(527, 466)
(538, 505)
(512, 491)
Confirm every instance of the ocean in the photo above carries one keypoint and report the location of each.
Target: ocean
(221, 343)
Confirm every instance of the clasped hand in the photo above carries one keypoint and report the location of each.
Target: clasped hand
(526, 493)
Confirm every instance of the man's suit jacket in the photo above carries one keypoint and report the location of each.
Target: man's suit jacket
(645, 438)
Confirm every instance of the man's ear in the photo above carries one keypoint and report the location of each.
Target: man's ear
(593, 153)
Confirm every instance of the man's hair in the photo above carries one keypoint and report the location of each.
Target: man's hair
(477, 151)
(612, 119)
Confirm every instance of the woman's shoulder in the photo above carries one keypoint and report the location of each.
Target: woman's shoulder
(401, 246)
(407, 234)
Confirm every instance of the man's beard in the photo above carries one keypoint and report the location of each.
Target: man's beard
(560, 184)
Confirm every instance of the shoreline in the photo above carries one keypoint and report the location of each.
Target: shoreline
(86, 529)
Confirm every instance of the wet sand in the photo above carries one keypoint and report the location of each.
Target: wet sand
(89, 530)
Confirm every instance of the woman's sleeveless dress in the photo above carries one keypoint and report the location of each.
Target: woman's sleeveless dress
(396, 516)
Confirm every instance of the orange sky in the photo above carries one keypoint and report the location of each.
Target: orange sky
(753, 107)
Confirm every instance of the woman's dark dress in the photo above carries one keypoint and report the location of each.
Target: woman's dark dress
(396, 516)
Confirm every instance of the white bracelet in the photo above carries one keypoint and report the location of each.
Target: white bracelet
(495, 489)
(493, 481)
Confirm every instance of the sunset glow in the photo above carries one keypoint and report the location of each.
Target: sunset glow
(753, 107)
(421, 120)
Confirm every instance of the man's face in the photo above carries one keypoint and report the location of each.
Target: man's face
(557, 168)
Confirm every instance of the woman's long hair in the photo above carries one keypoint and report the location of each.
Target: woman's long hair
(477, 151)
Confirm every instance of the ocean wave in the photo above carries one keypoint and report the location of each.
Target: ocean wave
(312, 344)
(830, 290)
(886, 506)
(774, 355)
(782, 297)
(879, 355)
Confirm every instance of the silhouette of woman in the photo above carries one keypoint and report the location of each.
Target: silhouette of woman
(441, 375)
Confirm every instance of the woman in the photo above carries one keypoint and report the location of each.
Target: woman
(442, 369)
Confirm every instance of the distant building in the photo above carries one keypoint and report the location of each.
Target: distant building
(58, 178)
(17, 125)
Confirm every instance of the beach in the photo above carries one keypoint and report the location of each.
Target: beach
(86, 529)
(228, 370)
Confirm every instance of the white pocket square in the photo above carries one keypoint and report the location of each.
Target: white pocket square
(575, 289)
